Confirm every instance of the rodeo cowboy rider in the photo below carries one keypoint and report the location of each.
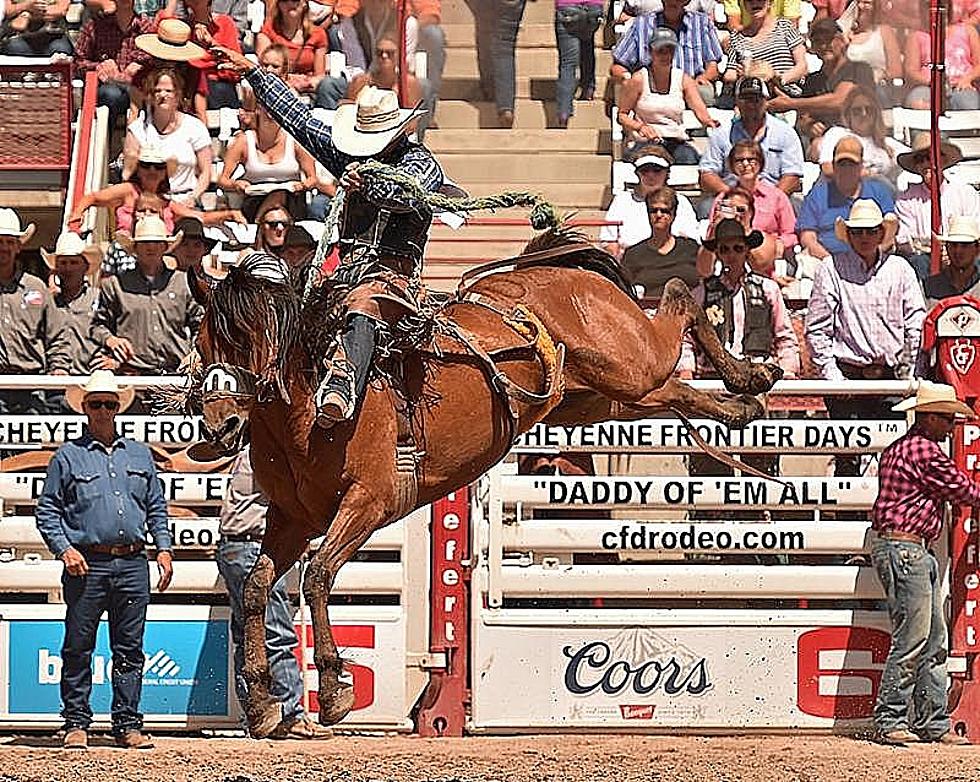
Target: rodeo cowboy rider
(384, 226)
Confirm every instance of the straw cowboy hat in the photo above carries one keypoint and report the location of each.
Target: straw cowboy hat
(152, 154)
(866, 213)
(962, 228)
(150, 228)
(949, 154)
(10, 226)
(733, 229)
(70, 244)
(102, 381)
(171, 41)
(935, 398)
(365, 127)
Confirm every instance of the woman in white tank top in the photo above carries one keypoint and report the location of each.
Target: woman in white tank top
(873, 42)
(653, 101)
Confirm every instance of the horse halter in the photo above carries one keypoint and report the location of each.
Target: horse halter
(228, 381)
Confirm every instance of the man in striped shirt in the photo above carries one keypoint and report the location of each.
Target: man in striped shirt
(916, 480)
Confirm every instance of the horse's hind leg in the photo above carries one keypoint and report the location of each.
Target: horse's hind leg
(279, 553)
(734, 411)
(358, 517)
(740, 375)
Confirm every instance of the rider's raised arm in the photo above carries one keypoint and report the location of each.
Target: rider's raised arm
(420, 165)
(288, 110)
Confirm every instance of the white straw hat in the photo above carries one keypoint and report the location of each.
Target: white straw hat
(369, 124)
(866, 213)
(101, 381)
(10, 226)
(70, 243)
(935, 398)
(171, 41)
(962, 228)
(150, 228)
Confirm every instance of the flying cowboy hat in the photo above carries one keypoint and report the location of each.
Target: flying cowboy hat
(369, 124)
(866, 213)
(949, 154)
(150, 228)
(102, 381)
(171, 41)
(10, 226)
(71, 244)
(935, 398)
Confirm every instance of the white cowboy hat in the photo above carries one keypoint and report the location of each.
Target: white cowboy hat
(866, 213)
(935, 398)
(150, 228)
(70, 243)
(10, 226)
(171, 41)
(101, 381)
(962, 228)
(369, 124)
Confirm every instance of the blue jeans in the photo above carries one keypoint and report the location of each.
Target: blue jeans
(509, 15)
(330, 92)
(116, 97)
(39, 46)
(683, 152)
(912, 693)
(235, 561)
(575, 27)
(432, 41)
(121, 586)
(484, 20)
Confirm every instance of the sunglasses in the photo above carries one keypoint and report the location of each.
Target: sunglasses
(386, 52)
(154, 166)
(277, 224)
(109, 404)
(731, 248)
(859, 111)
(660, 210)
(863, 231)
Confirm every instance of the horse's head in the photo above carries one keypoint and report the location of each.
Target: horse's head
(250, 324)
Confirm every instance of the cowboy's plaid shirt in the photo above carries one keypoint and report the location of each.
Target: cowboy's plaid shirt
(915, 479)
(296, 117)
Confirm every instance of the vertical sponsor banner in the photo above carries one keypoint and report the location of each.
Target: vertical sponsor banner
(964, 589)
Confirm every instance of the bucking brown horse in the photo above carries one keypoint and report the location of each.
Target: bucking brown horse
(560, 339)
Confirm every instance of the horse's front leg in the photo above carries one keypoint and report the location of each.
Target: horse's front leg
(358, 517)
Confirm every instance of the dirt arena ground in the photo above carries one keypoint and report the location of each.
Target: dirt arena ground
(525, 759)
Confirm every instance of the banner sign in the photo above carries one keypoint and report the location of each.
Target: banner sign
(672, 436)
(187, 532)
(689, 492)
(964, 587)
(32, 431)
(691, 677)
(182, 488)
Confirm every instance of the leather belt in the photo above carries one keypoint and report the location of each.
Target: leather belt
(243, 537)
(123, 550)
(865, 371)
(894, 534)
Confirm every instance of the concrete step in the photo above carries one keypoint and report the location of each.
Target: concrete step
(540, 87)
(473, 250)
(535, 12)
(517, 170)
(536, 63)
(511, 225)
(573, 140)
(564, 196)
(531, 36)
(527, 114)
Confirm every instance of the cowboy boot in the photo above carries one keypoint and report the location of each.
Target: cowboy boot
(337, 396)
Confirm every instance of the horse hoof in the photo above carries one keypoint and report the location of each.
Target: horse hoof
(263, 721)
(336, 705)
(751, 410)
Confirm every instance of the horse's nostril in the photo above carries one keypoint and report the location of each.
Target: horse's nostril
(232, 424)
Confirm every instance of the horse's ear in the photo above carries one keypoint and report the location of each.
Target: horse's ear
(200, 283)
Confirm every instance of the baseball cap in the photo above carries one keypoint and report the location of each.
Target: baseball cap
(663, 36)
(849, 148)
(750, 86)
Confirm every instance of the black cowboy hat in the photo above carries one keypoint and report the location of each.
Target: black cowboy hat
(193, 228)
(733, 229)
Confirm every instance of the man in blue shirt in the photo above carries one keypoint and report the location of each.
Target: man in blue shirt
(833, 198)
(781, 144)
(100, 497)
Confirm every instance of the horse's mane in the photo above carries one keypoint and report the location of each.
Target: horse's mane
(592, 258)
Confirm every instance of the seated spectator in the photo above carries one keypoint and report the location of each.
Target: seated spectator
(768, 47)
(297, 247)
(767, 208)
(194, 244)
(738, 204)
(961, 276)
(36, 28)
(652, 102)
(739, 15)
(76, 265)
(783, 154)
(290, 26)
(825, 91)
(861, 118)
(697, 55)
(273, 223)
(384, 74)
(181, 137)
(833, 198)
(652, 165)
(146, 318)
(268, 156)
(33, 340)
(913, 206)
(745, 308)
(575, 24)
(107, 45)
(962, 64)
(865, 314)
(651, 263)
(216, 88)
(874, 41)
